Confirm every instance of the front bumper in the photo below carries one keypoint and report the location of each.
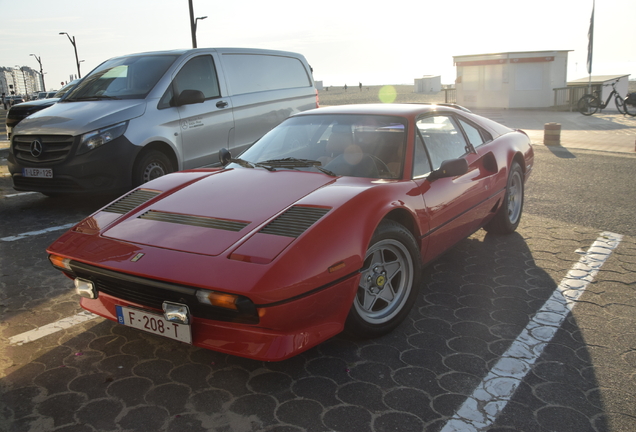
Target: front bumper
(105, 169)
(285, 329)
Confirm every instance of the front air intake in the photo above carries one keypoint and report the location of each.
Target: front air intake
(294, 221)
(199, 221)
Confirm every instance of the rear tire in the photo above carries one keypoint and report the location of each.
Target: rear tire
(151, 165)
(389, 282)
(508, 216)
(630, 108)
(588, 105)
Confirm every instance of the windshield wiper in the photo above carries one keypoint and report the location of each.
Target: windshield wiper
(248, 164)
(291, 162)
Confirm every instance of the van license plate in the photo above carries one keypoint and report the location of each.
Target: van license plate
(153, 323)
(37, 172)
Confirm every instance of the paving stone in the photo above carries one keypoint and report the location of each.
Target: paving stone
(100, 413)
(347, 418)
(364, 395)
(303, 413)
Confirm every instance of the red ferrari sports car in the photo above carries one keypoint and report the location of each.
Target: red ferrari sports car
(322, 225)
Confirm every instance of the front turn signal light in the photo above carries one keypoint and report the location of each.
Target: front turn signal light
(226, 301)
(60, 262)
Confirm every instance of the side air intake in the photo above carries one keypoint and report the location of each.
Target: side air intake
(294, 221)
(131, 201)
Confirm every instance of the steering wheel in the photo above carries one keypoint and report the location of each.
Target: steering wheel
(380, 165)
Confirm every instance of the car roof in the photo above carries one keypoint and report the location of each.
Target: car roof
(403, 110)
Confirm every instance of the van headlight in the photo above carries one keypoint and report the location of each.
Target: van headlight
(92, 140)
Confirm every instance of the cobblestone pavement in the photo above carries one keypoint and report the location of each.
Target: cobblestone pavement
(99, 376)
(474, 303)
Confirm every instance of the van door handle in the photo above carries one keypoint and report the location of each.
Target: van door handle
(221, 104)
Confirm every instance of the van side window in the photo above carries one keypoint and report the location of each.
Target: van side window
(198, 73)
(250, 73)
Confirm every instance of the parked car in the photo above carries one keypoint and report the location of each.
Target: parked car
(47, 95)
(140, 116)
(18, 113)
(324, 224)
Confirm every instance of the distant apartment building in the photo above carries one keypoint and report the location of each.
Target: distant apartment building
(19, 81)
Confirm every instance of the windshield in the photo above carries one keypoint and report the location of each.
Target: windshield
(122, 78)
(346, 145)
(61, 92)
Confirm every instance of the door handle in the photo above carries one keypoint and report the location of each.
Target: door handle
(221, 104)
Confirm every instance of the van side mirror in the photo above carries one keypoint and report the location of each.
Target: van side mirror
(189, 97)
(450, 168)
(224, 156)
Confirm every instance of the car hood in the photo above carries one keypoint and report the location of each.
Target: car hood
(76, 118)
(35, 104)
(212, 214)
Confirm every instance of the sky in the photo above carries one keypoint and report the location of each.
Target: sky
(345, 42)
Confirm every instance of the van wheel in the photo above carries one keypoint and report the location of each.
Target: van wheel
(151, 165)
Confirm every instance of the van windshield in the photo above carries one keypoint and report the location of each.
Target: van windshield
(122, 78)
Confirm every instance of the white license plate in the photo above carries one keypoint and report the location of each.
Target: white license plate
(153, 323)
(37, 172)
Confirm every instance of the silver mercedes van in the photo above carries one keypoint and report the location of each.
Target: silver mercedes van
(140, 116)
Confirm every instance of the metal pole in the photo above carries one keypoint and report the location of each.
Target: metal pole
(41, 71)
(77, 62)
(192, 29)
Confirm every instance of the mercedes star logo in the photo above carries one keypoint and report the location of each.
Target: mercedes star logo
(36, 148)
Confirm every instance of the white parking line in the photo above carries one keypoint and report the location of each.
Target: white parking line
(48, 329)
(19, 194)
(490, 397)
(34, 233)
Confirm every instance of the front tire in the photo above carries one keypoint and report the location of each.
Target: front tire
(151, 165)
(389, 282)
(508, 216)
(588, 105)
(620, 104)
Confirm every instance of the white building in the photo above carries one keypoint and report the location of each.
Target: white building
(428, 84)
(510, 79)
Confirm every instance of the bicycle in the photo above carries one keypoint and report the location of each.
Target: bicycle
(590, 103)
(630, 104)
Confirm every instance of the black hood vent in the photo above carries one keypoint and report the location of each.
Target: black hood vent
(200, 221)
(294, 221)
(131, 201)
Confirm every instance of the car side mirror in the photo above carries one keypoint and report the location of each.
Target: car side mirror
(450, 168)
(189, 97)
(225, 156)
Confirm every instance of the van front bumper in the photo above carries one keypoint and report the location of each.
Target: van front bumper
(104, 170)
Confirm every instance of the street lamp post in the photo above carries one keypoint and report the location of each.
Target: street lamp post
(79, 75)
(41, 72)
(193, 24)
(195, 29)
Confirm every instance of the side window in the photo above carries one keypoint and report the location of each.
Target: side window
(442, 138)
(421, 164)
(473, 134)
(198, 73)
(249, 73)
